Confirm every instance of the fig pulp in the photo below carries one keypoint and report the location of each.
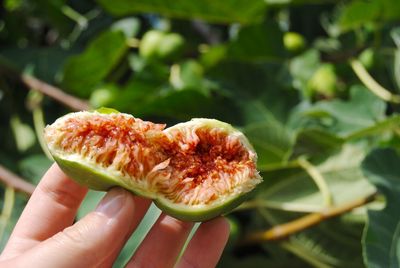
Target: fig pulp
(193, 171)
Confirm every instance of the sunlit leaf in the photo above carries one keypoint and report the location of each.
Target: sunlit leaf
(341, 172)
(83, 72)
(362, 110)
(23, 134)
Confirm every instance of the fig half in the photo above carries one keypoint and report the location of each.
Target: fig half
(193, 171)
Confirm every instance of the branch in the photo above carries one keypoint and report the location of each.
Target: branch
(55, 93)
(12, 180)
(284, 230)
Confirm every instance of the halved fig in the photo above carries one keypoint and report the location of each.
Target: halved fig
(193, 171)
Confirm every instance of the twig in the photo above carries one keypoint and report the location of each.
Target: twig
(34, 103)
(371, 84)
(55, 93)
(287, 229)
(14, 181)
(39, 125)
(8, 205)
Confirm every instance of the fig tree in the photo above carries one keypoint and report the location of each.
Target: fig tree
(193, 171)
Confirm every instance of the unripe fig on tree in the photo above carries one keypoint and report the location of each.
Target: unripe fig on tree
(367, 58)
(193, 171)
(159, 45)
(294, 42)
(323, 81)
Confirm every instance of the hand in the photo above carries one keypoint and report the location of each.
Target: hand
(45, 235)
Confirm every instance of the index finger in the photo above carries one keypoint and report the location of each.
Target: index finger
(207, 245)
(51, 208)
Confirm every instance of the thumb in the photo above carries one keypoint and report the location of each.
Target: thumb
(92, 240)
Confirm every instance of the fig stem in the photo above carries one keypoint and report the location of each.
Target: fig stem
(319, 180)
(8, 206)
(284, 230)
(78, 18)
(57, 94)
(371, 83)
(14, 181)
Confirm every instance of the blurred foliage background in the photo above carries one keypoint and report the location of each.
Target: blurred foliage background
(313, 84)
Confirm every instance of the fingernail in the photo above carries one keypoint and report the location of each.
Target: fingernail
(112, 203)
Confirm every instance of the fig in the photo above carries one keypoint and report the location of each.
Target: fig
(367, 58)
(159, 45)
(193, 171)
(294, 42)
(324, 81)
(103, 96)
(171, 46)
(150, 44)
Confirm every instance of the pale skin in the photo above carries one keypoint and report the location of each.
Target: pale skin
(46, 235)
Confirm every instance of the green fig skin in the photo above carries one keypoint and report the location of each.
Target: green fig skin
(99, 181)
(87, 176)
(97, 178)
(203, 214)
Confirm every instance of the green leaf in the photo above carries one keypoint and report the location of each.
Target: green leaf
(84, 71)
(243, 11)
(45, 63)
(23, 134)
(333, 244)
(183, 104)
(315, 144)
(359, 12)
(341, 172)
(391, 9)
(33, 167)
(302, 68)
(385, 126)
(362, 110)
(271, 140)
(381, 241)
(248, 83)
(259, 42)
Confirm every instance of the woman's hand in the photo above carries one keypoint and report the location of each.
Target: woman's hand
(45, 235)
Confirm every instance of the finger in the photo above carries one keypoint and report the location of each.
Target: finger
(207, 245)
(141, 207)
(51, 208)
(162, 245)
(92, 240)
